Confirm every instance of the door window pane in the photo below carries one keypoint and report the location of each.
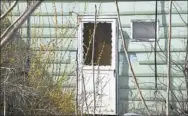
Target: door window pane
(103, 43)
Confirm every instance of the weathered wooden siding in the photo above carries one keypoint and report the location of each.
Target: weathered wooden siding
(53, 22)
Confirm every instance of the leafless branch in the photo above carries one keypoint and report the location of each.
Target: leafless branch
(16, 25)
(169, 59)
(9, 10)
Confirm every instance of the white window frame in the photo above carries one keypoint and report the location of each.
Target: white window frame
(144, 20)
(89, 19)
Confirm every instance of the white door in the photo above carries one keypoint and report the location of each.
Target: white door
(100, 78)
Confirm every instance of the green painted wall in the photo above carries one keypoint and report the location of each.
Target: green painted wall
(54, 20)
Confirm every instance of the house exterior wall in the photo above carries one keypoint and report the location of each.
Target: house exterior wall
(59, 20)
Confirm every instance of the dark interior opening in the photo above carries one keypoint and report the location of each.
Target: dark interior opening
(103, 44)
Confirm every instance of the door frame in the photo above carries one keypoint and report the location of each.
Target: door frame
(114, 56)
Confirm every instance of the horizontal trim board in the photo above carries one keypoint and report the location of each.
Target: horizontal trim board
(146, 51)
(104, 14)
(49, 1)
(160, 63)
(129, 75)
(137, 75)
(68, 73)
(132, 51)
(150, 88)
(173, 63)
(74, 37)
(141, 63)
(151, 100)
(50, 26)
(107, 0)
(70, 50)
(68, 85)
(76, 26)
(56, 62)
(48, 36)
(151, 75)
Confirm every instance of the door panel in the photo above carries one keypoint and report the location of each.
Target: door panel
(105, 92)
